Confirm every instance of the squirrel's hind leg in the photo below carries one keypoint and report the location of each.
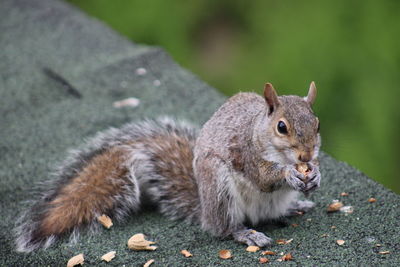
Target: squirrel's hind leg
(252, 238)
(219, 215)
(299, 206)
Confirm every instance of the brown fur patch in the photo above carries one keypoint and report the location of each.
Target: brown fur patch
(88, 194)
(171, 150)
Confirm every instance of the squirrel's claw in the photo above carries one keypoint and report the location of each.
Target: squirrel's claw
(295, 179)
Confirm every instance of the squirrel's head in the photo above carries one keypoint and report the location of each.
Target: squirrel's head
(289, 130)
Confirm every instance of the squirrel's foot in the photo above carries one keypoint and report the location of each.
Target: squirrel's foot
(300, 206)
(252, 238)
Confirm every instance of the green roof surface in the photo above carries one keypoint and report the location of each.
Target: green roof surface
(60, 73)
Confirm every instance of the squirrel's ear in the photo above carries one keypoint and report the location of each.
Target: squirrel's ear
(271, 97)
(312, 94)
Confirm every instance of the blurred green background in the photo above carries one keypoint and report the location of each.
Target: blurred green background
(351, 49)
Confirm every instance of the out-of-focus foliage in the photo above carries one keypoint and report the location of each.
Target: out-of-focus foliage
(350, 48)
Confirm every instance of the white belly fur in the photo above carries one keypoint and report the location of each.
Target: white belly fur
(251, 203)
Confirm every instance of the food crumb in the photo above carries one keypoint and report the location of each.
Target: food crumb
(340, 242)
(347, 209)
(371, 200)
(156, 83)
(141, 71)
(344, 194)
(384, 252)
(263, 260)
(295, 225)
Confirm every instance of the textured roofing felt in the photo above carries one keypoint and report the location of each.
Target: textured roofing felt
(60, 73)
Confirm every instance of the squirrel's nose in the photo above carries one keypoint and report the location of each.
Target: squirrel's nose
(305, 157)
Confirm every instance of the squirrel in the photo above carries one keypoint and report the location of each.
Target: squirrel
(239, 167)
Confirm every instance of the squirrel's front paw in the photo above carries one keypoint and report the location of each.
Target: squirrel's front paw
(252, 238)
(313, 179)
(295, 179)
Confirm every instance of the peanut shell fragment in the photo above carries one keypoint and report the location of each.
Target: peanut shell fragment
(148, 263)
(287, 257)
(263, 260)
(283, 241)
(108, 256)
(225, 254)
(335, 206)
(75, 260)
(105, 221)
(186, 253)
(371, 200)
(252, 249)
(138, 242)
(268, 252)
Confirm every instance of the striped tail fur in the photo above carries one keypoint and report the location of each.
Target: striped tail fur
(148, 162)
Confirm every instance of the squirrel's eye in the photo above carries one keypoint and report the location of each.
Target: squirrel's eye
(282, 127)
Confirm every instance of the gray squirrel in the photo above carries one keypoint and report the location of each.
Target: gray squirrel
(241, 166)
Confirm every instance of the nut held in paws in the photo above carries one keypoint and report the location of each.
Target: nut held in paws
(304, 169)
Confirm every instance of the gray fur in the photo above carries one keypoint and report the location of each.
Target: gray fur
(239, 146)
(299, 205)
(241, 170)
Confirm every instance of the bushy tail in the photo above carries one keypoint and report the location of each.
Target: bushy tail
(112, 174)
